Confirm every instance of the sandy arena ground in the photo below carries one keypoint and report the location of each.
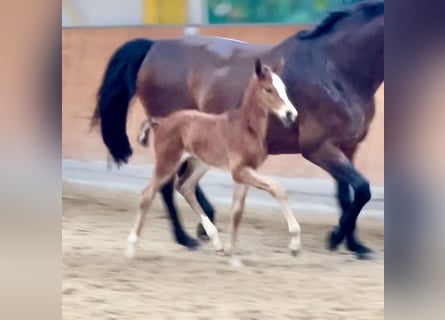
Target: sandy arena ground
(166, 281)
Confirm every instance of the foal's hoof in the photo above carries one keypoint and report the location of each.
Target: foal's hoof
(201, 233)
(130, 252)
(236, 262)
(188, 242)
(220, 252)
(295, 247)
(333, 240)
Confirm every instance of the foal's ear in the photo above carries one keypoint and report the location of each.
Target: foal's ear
(279, 67)
(259, 71)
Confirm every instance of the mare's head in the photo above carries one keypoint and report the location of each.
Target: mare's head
(271, 92)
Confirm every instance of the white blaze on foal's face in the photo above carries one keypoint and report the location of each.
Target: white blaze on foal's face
(274, 96)
(286, 110)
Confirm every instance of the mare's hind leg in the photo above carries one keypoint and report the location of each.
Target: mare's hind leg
(187, 189)
(238, 202)
(333, 160)
(248, 176)
(180, 235)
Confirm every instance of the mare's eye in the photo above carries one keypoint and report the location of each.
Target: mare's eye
(268, 90)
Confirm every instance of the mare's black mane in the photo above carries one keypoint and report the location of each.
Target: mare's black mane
(370, 9)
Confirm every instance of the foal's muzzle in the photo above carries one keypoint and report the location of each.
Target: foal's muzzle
(288, 118)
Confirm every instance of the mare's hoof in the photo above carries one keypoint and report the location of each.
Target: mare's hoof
(333, 240)
(188, 242)
(361, 251)
(366, 256)
(201, 233)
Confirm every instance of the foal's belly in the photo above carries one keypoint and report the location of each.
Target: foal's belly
(211, 155)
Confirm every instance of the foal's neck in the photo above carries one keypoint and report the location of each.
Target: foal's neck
(253, 113)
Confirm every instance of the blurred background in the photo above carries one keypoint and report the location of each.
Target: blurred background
(82, 13)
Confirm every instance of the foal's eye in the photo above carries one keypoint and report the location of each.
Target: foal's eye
(268, 90)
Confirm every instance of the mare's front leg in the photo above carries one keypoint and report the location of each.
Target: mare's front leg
(334, 160)
(345, 201)
(248, 176)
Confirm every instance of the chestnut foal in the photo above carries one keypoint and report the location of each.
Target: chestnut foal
(232, 141)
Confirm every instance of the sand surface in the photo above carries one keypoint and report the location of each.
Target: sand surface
(167, 281)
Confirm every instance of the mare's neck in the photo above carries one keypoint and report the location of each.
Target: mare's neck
(359, 56)
(253, 113)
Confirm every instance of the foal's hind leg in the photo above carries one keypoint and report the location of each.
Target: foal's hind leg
(248, 176)
(162, 173)
(147, 198)
(187, 189)
(184, 172)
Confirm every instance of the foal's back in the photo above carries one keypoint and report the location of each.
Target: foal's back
(197, 133)
(213, 138)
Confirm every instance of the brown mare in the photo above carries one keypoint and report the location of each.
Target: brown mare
(332, 73)
(234, 141)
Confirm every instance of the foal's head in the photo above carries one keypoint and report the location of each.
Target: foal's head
(271, 92)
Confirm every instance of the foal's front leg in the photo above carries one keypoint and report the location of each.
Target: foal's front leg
(249, 176)
(239, 199)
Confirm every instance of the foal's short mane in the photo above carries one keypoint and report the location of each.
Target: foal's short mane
(370, 9)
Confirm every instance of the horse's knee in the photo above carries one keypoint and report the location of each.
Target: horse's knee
(144, 204)
(185, 189)
(362, 192)
(278, 192)
(238, 175)
(178, 184)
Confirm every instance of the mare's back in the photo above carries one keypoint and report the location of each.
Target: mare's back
(181, 54)
(198, 69)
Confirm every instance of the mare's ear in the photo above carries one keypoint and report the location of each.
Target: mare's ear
(278, 69)
(259, 71)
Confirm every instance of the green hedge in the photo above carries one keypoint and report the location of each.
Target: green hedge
(272, 11)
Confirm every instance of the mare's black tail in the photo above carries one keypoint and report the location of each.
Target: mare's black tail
(114, 95)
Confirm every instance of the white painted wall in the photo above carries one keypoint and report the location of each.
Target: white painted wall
(101, 13)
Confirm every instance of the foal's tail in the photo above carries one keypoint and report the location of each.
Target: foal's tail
(144, 131)
(114, 95)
